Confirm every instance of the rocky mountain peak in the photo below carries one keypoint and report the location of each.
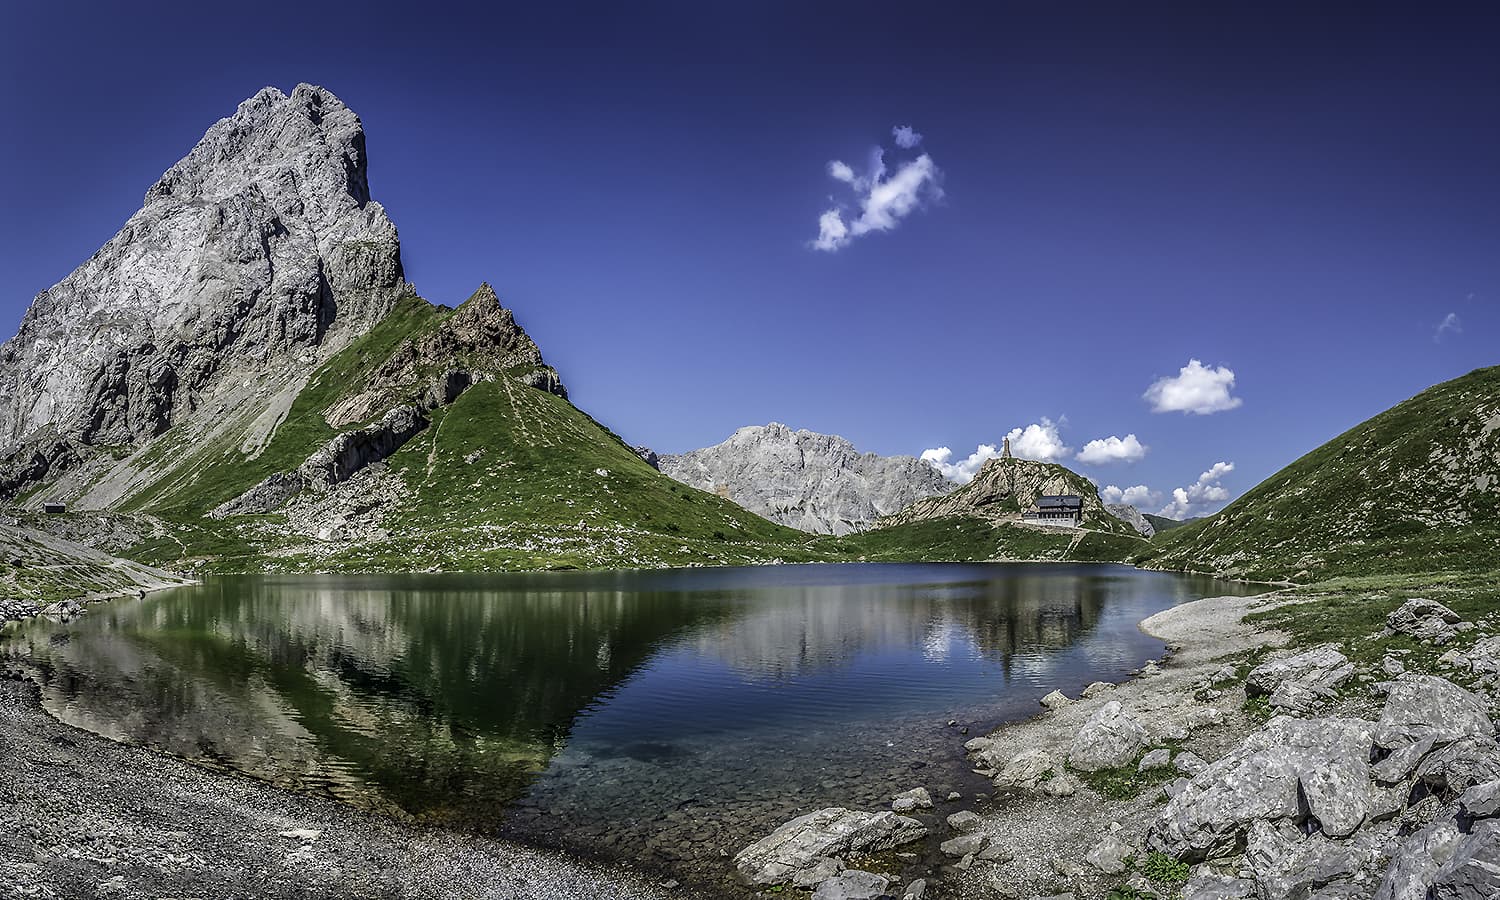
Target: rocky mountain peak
(257, 253)
(815, 482)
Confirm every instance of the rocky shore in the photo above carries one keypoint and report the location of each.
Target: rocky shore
(1227, 771)
(85, 817)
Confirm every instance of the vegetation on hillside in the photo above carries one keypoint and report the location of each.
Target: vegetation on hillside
(1415, 489)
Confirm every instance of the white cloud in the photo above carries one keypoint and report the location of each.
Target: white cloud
(1138, 495)
(880, 201)
(1038, 441)
(832, 233)
(1195, 389)
(1112, 449)
(1198, 497)
(1450, 323)
(964, 470)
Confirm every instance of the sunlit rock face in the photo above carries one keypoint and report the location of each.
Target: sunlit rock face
(815, 482)
(255, 254)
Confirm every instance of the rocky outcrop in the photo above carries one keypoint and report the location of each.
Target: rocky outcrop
(1004, 489)
(1132, 517)
(1426, 620)
(479, 339)
(815, 482)
(259, 248)
(1298, 682)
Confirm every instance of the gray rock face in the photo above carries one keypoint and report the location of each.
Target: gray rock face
(815, 482)
(852, 885)
(1132, 517)
(258, 248)
(832, 832)
(1292, 769)
(1111, 738)
(1425, 707)
(1318, 670)
(1425, 620)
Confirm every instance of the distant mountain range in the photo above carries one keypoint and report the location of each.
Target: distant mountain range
(814, 482)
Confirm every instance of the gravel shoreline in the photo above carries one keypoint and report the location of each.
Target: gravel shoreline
(1048, 837)
(86, 817)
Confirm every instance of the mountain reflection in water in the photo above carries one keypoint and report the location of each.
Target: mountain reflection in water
(671, 713)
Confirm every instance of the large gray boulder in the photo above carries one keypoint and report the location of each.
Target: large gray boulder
(815, 482)
(1290, 866)
(1473, 871)
(1319, 670)
(1292, 769)
(833, 832)
(852, 885)
(1416, 862)
(1423, 711)
(1425, 620)
(1111, 738)
(1453, 769)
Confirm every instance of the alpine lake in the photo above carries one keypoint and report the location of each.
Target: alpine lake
(667, 718)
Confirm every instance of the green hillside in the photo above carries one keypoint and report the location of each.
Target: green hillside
(1162, 523)
(1415, 489)
(508, 476)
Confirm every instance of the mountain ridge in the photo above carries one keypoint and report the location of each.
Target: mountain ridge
(807, 480)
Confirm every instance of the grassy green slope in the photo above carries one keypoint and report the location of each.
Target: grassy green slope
(1415, 489)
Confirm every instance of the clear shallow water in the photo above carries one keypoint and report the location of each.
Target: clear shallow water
(662, 716)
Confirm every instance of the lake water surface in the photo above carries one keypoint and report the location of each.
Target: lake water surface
(663, 716)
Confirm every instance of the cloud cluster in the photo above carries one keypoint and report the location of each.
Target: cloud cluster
(1450, 324)
(963, 471)
(1112, 449)
(1197, 498)
(1039, 440)
(882, 197)
(1195, 389)
(1138, 495)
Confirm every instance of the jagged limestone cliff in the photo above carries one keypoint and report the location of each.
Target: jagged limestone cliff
(252, 258)
(810, 481)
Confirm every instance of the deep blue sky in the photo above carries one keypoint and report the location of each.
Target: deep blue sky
(1301, 197)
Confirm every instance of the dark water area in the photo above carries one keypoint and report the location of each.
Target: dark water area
(666, 717)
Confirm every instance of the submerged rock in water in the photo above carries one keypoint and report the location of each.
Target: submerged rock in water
(832, 832)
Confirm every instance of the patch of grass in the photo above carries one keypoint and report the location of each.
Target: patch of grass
(1163, 869)
(1126, 782)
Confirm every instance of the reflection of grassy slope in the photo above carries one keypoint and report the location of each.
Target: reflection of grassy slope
(449, 729)
(1414, 489)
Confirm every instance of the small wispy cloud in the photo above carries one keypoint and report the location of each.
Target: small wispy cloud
(1450, 325)
(882, 197)
(1112, 449)
(1195, 389)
